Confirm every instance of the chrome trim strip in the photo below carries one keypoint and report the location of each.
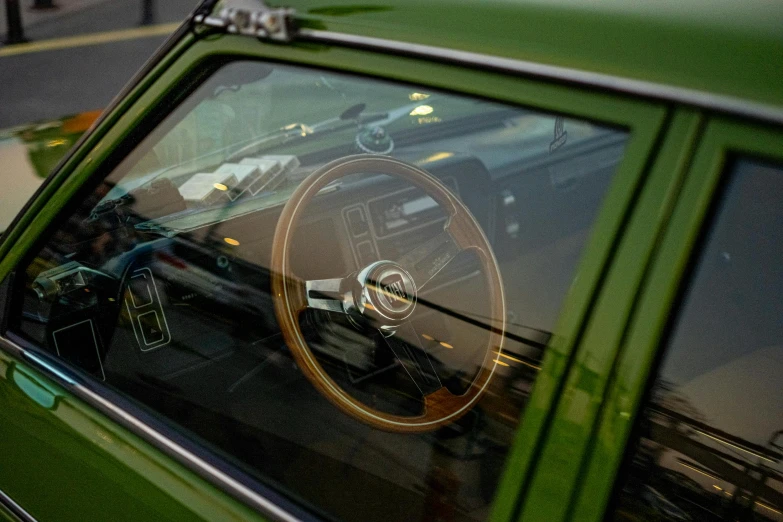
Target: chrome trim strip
(15, 509)
(705, 100)
(190, 460)
(33, 358)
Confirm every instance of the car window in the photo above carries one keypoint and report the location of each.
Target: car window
(343, 285)
(710, 439)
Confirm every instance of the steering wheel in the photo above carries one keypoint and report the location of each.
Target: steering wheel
(384, 295)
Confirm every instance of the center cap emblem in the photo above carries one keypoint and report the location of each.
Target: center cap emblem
(393, 291)
(390, 290)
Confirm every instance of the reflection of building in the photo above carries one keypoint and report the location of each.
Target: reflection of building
(705, 472)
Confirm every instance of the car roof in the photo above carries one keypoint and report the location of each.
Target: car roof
(721, 47)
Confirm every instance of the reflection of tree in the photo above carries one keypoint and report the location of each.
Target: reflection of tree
(665, 395)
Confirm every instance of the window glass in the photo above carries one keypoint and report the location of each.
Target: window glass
(343, 285)
(711, 435)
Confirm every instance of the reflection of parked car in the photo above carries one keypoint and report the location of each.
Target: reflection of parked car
(411, 262)
(30, 152)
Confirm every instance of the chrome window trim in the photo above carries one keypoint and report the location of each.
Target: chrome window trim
(150, 434)
(705, 100)
(17, 511)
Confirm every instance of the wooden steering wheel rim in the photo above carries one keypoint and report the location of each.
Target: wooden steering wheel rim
(289, 294)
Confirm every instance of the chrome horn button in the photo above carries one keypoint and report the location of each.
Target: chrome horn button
(388, 293)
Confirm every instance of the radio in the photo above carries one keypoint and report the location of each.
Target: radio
(405, 210)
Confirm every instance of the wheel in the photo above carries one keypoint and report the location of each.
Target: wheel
(384, 295)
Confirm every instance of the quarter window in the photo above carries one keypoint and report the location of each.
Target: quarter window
(343, 285)
(710, 443)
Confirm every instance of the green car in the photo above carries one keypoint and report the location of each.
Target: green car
(411, 261)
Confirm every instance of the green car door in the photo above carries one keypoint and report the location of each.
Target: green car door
(294, 278)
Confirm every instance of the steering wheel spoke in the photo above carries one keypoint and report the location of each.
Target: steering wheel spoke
(408, 350)
(427, 260)
(326, 294)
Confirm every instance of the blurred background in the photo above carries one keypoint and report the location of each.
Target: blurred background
(61, 64)
(78, 53)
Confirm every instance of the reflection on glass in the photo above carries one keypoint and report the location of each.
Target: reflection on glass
(365, 343)
(712, 440)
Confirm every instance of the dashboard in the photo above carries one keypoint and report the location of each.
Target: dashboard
(144, 298)
(208, 262)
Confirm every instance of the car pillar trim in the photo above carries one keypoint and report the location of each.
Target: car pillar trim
(148, 433)
(705, 100)
(17, 511)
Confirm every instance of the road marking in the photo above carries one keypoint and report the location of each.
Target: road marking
(89, 39)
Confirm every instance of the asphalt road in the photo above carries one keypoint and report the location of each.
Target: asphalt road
(53, 78)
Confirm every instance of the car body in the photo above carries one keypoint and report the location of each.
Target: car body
(215, 308)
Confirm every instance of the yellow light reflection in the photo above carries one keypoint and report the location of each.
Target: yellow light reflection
(418, 96)
(438, 156)
(220, 186)
(231, 241)
(727, 443)
(501, 363)
(428, 337)
(511, 357)
(697, 470)
(717, 487)
(446, 345)
(57, 143)
(422, 110)
(769, 507)
(304, 130)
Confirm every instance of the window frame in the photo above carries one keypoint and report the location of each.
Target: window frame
(660, 299)
(646, 121)
(569, 442)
